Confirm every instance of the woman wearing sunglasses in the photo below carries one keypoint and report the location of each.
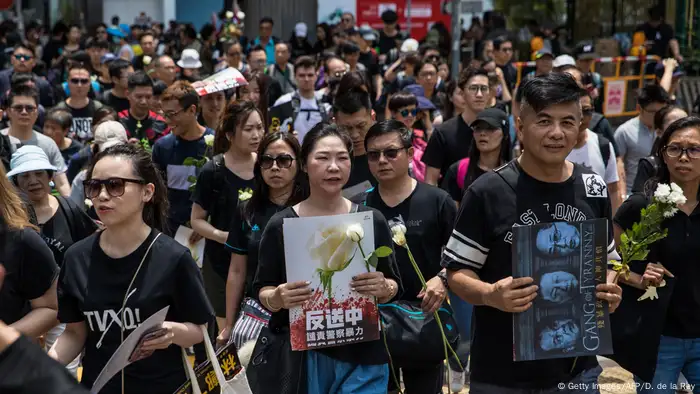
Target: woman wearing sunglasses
(61, 221)
(354, 368)
(112, 281)
(221, 183)
(404, 108)
(279, 183)
(674, 259)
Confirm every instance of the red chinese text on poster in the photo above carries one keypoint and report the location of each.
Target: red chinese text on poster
(424, 13)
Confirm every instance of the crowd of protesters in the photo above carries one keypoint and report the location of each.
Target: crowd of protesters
(101, 144)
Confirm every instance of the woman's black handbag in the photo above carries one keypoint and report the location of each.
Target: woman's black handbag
(413, 336)
(274, 367)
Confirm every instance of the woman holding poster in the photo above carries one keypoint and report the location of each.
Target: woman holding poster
(359, 367)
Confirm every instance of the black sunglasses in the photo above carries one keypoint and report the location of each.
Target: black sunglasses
(114, 186)
(390, 154)
(283, 161)
(406, 112)
(79, 81)
(25, 58)
(24, 108)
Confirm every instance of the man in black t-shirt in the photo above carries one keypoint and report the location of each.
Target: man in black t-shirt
(353, 112)
(659, 36)
(119, 72)
(451, 140)
(538, 187)
(79, 104)
(428, 215)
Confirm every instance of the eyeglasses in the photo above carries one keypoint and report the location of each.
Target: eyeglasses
(80, 81)
(390, 154)
(406, 112)
(428, 74)
(170, 115)
(675, 151)
(474, 89)
(509, 49)
(432, 58)
(114, 186)
(24, 58)
(283, 161)
(23, 108)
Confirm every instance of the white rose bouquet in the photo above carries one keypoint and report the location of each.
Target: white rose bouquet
(635, 242)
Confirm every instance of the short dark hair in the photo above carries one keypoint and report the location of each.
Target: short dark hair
(352, 101)
(23, 91)
(93, 42)
(190, 32)
(349, 47)
(141, 79)
(63, 118)
(147, 33)
(389, 126)
(159, 87)
(257, 48)
(402, 99)
(468, 73)
(661, 114)
(424, 48)
(419, 66)
(323, 130)
(498, 41)
(21, 79)
(304, 62)
(183, 92)
(652, 94)
(24, 47)
(551, 89)
(116, 66)
(266, 19)
(78, 66)
(206, 31)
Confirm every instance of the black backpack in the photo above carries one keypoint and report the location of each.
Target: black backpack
(604, 145)
(218, 184)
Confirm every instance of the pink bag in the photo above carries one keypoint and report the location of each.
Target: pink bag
(462, 172)
(419, 146)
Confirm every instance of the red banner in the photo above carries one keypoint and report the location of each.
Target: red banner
(424, 13)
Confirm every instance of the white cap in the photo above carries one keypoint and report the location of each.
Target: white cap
(563, 60)
(110, 133)
(300, 29)
(410, 45)
(189, 59)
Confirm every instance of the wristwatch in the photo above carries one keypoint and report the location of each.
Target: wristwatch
(443, 276)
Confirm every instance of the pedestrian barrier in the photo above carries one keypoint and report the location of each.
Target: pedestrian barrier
(621, 75)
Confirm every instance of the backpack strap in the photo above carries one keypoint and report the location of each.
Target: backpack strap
(604, 145)
(462, 172)
(509, 176)
(68, 214)
(218, 184)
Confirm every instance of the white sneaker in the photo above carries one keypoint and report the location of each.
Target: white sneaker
(456, 381)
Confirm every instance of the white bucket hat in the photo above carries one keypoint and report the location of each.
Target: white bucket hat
(189, 59)
(27, 159)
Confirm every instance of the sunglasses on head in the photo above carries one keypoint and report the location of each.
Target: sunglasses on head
(79, 81)
(390, 154)
(283, 161)
(406, 112)
(24, 58)
(114, 186)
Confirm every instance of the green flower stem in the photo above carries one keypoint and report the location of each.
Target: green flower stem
(364, 256)
(435, 314)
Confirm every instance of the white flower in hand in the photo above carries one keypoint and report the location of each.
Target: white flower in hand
(332, 247)
(209, 140)
(88, 203)
(355, 232)
(398, 234)
(662, 192)
(677, 197)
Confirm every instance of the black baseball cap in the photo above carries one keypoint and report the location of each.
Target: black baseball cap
(493, 117)
(586, 51)
(390, 17)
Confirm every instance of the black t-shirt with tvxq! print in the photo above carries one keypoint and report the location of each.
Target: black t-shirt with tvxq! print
(92, 287)
(482, 242)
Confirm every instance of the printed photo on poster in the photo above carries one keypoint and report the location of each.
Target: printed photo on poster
(566, 260)
(320, 250)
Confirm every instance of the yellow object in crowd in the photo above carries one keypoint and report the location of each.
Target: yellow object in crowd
(536, 43)
(638, 48)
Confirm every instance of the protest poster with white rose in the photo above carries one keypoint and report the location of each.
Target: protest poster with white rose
(328, 251)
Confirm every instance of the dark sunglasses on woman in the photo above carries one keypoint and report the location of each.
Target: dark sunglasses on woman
(283, 161)
(114, 186)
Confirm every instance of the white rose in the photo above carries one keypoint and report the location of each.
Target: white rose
(88, 203)
(677, 198)
(355, 232)
(229, 14)
(332, 247)
(240, 15)
(662, 192)
(209, 140)
(676, 188)
(398, 232)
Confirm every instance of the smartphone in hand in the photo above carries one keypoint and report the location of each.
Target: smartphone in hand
(138, 353)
